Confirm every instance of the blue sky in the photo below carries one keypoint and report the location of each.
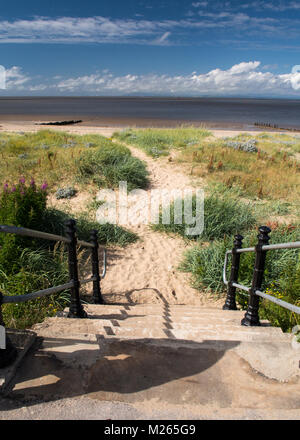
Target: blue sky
(139, 47)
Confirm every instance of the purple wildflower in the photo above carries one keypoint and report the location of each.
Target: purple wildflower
(22, 180)
(5, 186)
(32, 182)
(44, 186)
(13, 189)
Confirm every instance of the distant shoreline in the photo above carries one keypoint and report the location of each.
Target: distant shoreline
(213, 113)
(21, 126)
(28, 123)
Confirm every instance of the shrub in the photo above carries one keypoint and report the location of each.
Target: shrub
(22, 205)
(248, 146)
(109, 165)
(40, 269)
(222, 216)
(53, 221)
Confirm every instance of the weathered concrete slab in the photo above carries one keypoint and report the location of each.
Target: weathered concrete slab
(158, 376)
(162, 360)
(22, 340)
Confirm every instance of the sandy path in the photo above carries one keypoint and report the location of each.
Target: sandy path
(146, 271)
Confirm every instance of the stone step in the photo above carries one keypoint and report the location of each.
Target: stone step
(155, 307)
(190, 334)
(150, 310)
(62, 327)
(157, 321)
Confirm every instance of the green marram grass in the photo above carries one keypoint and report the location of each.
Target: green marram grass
(159, 142)
(223, 215)
(64, 159)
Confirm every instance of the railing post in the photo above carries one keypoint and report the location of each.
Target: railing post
(9, 353)
(97, 297)
(230, 303)
(76, 310)
(251, 316)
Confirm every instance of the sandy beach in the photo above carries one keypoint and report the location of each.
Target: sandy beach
(23, 124)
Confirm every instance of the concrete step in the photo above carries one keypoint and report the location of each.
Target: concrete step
(134, 322)
(149, 310)
(198, 330)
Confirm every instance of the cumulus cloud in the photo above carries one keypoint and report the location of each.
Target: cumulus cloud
(243, 79)
(15, 78)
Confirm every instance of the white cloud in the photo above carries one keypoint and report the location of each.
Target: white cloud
(72, 29)
(15, 78)
(163, 39)
(99, 29)
(243, 79)
(277, 6)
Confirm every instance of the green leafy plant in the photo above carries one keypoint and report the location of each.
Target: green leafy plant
(21, 205)
(108, 165)
(223, 215)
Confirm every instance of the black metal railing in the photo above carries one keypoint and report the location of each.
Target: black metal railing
(251, 317)
(76, 309)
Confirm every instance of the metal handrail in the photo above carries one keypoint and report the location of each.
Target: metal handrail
(28, 296)
(38, 234)
(32, 233)
(290, 245)
(279, 302)
(5, 299)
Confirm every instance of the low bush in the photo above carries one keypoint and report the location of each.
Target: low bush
(223, 215)
(40, 269)
(20, 205)
(108, 165)
(53, 221)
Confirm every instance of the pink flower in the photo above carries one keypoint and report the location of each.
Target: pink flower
(44, 186)
(32, 182)
(22, 180)
(13, 189)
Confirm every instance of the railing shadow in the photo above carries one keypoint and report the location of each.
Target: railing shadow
(110, 368)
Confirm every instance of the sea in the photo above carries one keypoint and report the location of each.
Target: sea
(154, 111)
